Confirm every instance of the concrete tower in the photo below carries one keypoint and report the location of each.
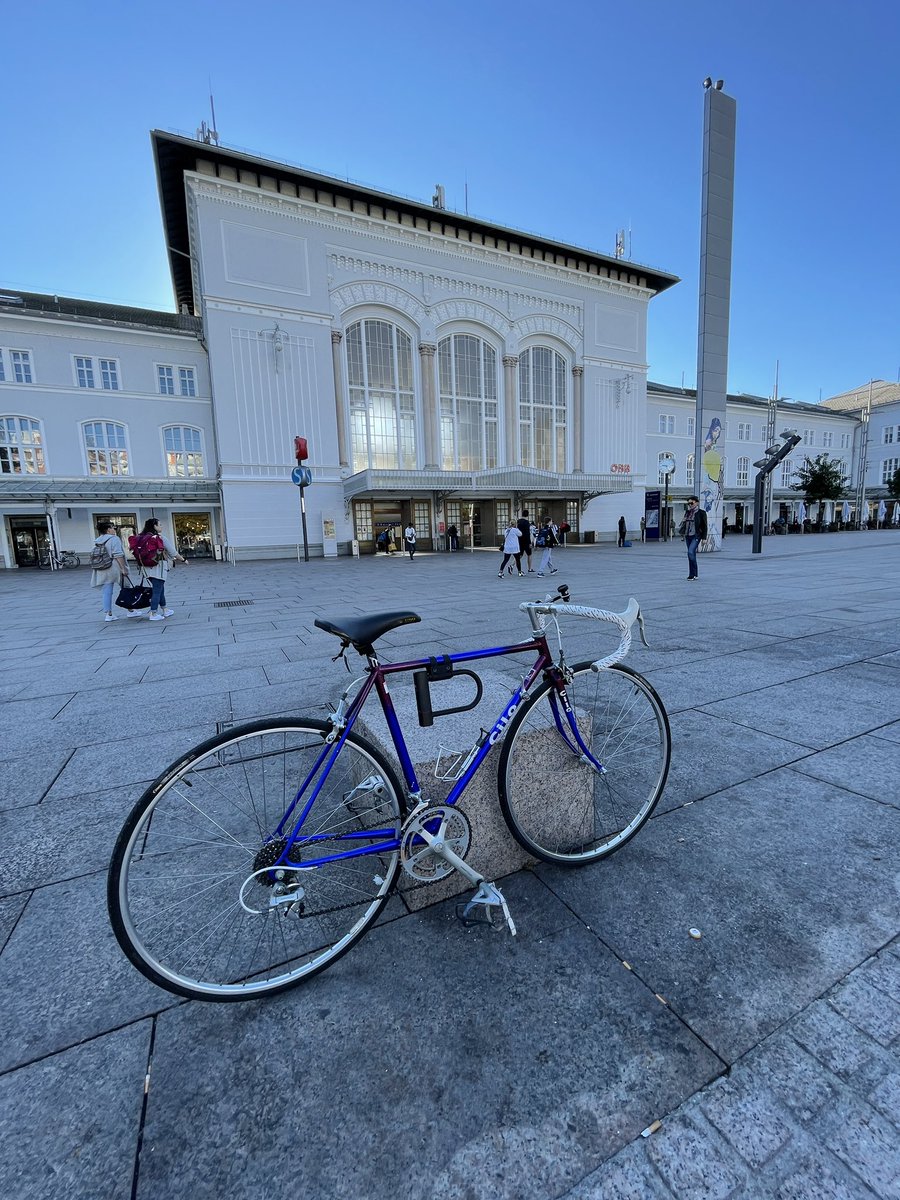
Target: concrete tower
(717, 219)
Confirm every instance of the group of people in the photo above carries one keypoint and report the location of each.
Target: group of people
(108, 545)
(385, 541)
(520, 541)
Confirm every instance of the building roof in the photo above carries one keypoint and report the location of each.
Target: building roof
(784, 406)
(36, 304)
(858, 398)
(176, 154)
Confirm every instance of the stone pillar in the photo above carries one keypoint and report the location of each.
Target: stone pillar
(578, 420)
(511, 408)
(429, 407)
(343, 448)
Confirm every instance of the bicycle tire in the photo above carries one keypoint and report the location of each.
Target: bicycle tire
(624, 723)
(196, 834)
(44, 562)
(71, 560)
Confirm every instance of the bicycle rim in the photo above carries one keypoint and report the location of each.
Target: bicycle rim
(555, 802)
(181, 864)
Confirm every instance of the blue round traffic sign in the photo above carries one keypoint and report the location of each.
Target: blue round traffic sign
(302, 476)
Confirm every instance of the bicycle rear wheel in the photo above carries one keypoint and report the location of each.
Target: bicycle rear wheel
(200, 840)
(557, 805)
(71, 560)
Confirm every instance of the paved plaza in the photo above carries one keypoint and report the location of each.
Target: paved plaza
(436, 1061)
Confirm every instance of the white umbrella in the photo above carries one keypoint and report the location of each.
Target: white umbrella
(845, 512)
(895, 517)
(829, 512)
(801, 513)
(882, 511)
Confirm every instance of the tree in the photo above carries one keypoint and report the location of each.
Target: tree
(820, 479)
(894, 485)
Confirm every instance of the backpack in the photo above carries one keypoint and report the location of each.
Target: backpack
(147, 549)
(101, 559)
(541, 539)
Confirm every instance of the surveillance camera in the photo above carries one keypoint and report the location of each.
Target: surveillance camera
(707, 83)
(720, 83)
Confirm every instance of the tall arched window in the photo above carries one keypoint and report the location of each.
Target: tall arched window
(542, 409)
(689, 470)
(107, 450)
(382, 400)
(467, 367)
(184, 451)
(21, 446)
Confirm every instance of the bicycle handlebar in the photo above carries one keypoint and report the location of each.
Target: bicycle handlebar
(623, 622)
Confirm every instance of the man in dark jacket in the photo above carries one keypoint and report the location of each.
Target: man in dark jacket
(694, 529)
(525, 545)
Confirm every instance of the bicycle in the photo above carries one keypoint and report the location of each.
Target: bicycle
(265, 853)
(49, 560)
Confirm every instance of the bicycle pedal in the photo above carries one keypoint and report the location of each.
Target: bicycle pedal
(487, 897)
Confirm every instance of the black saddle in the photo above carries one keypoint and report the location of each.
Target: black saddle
(362, 632)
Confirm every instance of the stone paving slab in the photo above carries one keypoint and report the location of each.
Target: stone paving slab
(799, 938)
(63, 1134)
(789, 880)
(498, 1059)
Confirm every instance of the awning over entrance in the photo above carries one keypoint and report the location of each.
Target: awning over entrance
(499, 481)
(106, 489)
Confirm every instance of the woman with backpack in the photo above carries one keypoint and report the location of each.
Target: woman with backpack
(547, 540)
(153, 553)
(108, 565)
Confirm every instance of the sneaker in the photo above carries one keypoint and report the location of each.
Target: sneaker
(110, 617)
(531, 570)
(157, 616)
(522, 574)
(135, 612)
(499, 574)
(540, 574)
(167, 612)
(553, 570)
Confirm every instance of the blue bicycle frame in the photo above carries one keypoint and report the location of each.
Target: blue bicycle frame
(386, 840)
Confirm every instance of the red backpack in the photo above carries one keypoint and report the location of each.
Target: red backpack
(147, 548)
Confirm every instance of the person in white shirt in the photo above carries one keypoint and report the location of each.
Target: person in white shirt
(409, 537)
(511, 550)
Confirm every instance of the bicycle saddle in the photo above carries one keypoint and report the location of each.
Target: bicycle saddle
(361, 632)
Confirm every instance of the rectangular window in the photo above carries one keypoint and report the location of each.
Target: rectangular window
(845, 441)
(787, 471)
(166, 377)
(887, 435)
(888, 467)
(109, 374)
(743, 472)
(84, 372)
(362, 512)
(422, 518)
(2, 369)
(666, 423)
(744, 433)
(827, 438)
(187, 381)
(21, 361)
(690, 427)
(809, 437)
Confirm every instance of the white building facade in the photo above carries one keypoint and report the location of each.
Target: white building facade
(105, 412)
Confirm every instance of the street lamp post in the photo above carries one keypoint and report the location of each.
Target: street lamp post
(667, 467)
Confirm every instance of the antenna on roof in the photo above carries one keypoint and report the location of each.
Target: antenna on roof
(208, 133)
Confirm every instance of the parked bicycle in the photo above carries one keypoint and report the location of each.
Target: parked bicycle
(49, 560)
(265, 853)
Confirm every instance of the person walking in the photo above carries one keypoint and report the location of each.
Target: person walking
(546, 540)
(409, 539)
(149, 543)
(693, 529)
(452, 538)
(622, 532)
(108, 566)
(512, 540)
(525, 542)
(643, 528)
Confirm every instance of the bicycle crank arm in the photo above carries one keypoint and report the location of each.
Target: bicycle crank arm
(490, 896)
(442, 850)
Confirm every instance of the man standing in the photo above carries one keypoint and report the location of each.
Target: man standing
(525, 545)
(622, 532)
(693, 529)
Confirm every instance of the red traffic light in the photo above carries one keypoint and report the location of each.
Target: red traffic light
(300, 449)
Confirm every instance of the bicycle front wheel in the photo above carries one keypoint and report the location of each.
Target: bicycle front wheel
(71, 560)
(193, 872)
(589, 812)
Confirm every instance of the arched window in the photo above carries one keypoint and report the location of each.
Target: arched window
(787, 471)
(184, 451)
(467, 367)
(689, 470)
(21, 446)
(107, 450)
(382, 400)
(542, 409)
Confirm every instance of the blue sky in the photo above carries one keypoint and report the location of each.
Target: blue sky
(571, 119)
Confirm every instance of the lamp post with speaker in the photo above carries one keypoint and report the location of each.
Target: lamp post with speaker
(302, 477)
